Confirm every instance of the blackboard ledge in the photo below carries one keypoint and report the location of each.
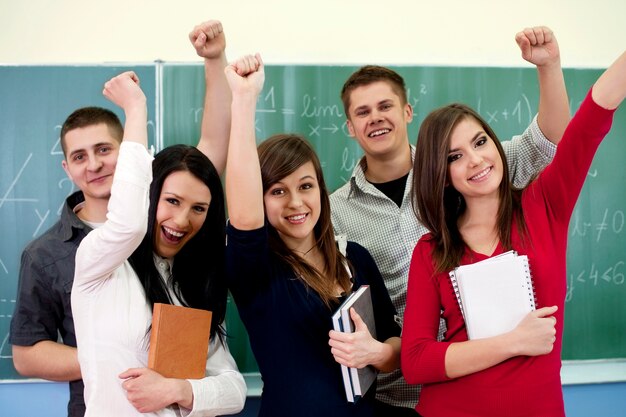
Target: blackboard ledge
(597, 371)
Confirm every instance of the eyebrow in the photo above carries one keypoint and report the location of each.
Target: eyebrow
(476, 136)
(366, 106)
(97, 145)
(173, 194)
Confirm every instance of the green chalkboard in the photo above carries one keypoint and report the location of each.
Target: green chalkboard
(305, 99)
(34, 102)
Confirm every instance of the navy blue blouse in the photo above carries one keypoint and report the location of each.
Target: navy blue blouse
(288, 325)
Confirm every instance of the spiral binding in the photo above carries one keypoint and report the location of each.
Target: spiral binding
(532, 292)
(455, 289)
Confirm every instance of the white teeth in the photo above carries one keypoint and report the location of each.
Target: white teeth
(379, 132)
(481, 174)
(173, 233)
(297, 218)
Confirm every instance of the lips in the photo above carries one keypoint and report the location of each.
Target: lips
(378, 132)
(99, 179)
(297, 218)
(481, 175)
(172, 235)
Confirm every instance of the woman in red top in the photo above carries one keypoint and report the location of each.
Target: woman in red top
(462, 193)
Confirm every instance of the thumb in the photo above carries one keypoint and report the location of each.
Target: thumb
(359, 324)
(546, 311)
(131, 373)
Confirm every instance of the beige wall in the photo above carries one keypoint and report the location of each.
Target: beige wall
(411, 32)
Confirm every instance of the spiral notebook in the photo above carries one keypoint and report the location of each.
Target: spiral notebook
(494, 295)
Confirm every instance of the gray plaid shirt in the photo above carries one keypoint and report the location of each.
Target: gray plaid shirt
(367, 216)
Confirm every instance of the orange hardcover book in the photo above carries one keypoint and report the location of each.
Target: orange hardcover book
(179, 341)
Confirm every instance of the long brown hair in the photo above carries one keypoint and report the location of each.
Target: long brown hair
(279, 156)
(435, 201)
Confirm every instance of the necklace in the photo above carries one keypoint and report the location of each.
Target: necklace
(303, 254)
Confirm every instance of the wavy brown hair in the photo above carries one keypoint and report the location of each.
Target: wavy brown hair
(437, 204)
(279, 156)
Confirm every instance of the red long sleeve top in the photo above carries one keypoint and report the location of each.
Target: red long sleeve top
(522, 385)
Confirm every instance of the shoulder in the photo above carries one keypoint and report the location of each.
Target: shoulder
(340, 195)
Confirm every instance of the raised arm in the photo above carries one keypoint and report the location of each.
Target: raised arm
(124, 91)
(539, 47)
(209, 41)
(610, 89)
(244, 189)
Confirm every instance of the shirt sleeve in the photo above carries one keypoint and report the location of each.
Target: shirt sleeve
(561, 182)
(107, 247)
(527, 154)
(223, 390)
(37, 312)
(422, 356)
(248, 266)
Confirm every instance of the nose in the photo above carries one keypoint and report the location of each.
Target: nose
(181, 218)
(94, 163)
(475, 158)
(375, 117)
(295, 200)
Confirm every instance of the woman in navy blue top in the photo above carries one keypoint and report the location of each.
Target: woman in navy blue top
(287, 273)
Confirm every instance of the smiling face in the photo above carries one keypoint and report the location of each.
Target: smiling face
(378, 119)
(181, 212)
(292, 207)
(475, 167)
(90, 159)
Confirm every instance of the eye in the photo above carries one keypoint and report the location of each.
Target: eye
(385, 106)
(172, 201)
(306, 186)
(481, 141)
(104, 149)
(453, 157)
(277, 191)
(361, 113)
(78, 157)
(199, 209)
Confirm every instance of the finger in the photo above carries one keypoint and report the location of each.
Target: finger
(539, 34)
(259, 60)
(130, 373)
(545, 311)
(530, 34)
(133, 76)
(359, 324)
(200, 40)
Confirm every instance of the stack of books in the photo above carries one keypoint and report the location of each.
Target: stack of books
(356, 381)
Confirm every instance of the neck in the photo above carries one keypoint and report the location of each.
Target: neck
(94, 210)
(388, 168)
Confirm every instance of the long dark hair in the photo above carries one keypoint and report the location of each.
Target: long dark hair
(198, 274)
(437, 204)
(279, 156)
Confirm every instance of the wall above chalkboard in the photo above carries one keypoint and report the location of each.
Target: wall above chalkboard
(34, 101)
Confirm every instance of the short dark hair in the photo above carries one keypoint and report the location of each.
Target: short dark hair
(198, 274)
(370, 74)
(89, 116)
